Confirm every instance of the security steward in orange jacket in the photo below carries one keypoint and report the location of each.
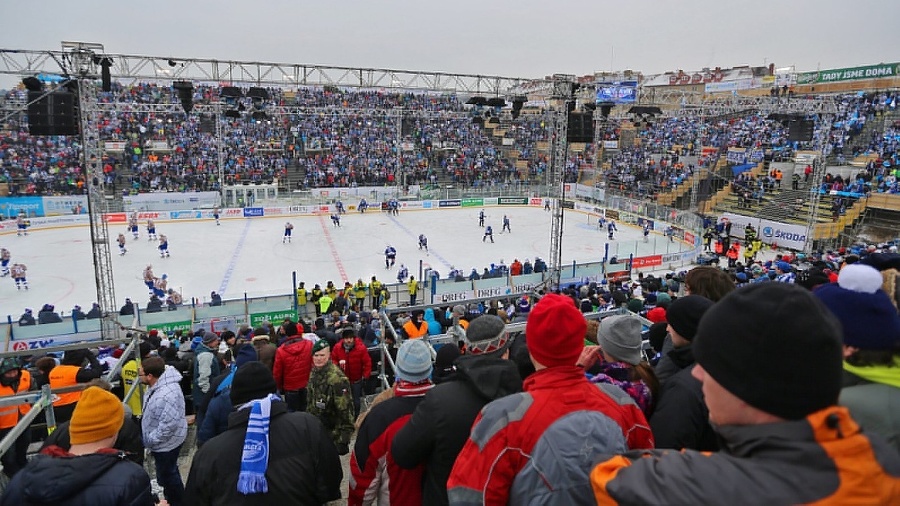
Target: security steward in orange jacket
(77, 366)
(14, 380)
(769, 357)
(416, 327)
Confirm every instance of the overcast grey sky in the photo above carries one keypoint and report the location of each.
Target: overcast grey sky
(523, 38)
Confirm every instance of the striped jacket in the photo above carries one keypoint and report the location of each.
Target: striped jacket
(538, 446)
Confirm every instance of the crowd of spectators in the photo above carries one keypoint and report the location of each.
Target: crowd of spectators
(349, 138)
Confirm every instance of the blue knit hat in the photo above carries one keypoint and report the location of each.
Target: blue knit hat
(868, 318)
(413, 361)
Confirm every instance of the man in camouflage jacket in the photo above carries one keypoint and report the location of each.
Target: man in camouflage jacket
(329, 397)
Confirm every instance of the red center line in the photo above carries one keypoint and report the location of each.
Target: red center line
(334, 253)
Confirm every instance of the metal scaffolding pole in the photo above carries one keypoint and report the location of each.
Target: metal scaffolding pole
(563, 93)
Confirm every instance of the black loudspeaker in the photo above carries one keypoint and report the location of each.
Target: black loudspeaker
(581, 127)
(407, 127)
(801, 130)
(53, 114)
(208, 124)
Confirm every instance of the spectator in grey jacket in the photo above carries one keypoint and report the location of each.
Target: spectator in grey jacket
(164, 425)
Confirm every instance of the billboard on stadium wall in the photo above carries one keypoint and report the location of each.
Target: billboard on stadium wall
(10, 207)
(879, 71)
(73, 204)
(170, 201)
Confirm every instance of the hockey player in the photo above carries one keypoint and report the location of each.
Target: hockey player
(151, 230)
(4, 262)
(363, 205)
(611, 229)
(423, 242)
(646, 232)
(133, 224)
(390, 256)
(216, 215)
(159, 286)
(288, 227)
(505, 225)
(336, 219)
(121, 241)
(402, 273)
(481, 218)
(488, 232)
(163, 246)
(340, 207)
(149, 278)
(22, 225)
(18, 275)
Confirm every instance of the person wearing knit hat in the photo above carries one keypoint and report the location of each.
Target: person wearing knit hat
(871, 335)
(267, 453)
(220, 406)
(381, 423)
(684, 317)
(557, 403)
(206, 367)
(90, 472)
(680, 418)
(769, 360)
(621, 361)
(437, 429)
(487, 335)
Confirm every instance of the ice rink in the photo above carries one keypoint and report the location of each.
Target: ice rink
(247, 256)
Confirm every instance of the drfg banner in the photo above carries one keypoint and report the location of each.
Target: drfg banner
(784, 235)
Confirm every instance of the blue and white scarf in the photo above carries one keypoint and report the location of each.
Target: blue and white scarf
(255, 455)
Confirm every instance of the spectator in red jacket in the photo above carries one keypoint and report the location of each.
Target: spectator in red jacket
(293, 364)
(375, 474)
(537, 446)
(352, 356)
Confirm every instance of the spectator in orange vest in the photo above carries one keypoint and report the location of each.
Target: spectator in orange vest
(77, 366)
(733, 253)
(14, 380)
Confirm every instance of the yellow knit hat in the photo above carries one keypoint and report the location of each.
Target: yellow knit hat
(98, 415)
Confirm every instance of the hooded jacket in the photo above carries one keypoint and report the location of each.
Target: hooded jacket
(164, 425)
(434, 327)
(824, 458)
(97, 479)
(440, 425)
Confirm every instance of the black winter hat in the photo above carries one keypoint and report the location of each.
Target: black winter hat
(252, 380)
(775, 346)
(684, 314)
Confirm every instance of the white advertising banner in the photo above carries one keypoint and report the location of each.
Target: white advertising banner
(739, 222)
(784, 235)
(170, 201)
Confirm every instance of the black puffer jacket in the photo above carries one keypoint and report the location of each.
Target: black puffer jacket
(97, 479)
(440, 425)
(304, 467)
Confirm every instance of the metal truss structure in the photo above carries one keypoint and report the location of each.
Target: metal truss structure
(562, 92)
(130, 69)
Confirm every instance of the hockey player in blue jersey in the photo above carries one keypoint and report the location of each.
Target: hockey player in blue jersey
(340, 207)
(390, 256)
(481, 218)
(288, 227)
(611, 229)
(336, 219)
(423, 242)
(646, 232)
(505, 225)
(402, 274)
(488, 232)
(216, 215)
(22, 225)
(363, 205)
